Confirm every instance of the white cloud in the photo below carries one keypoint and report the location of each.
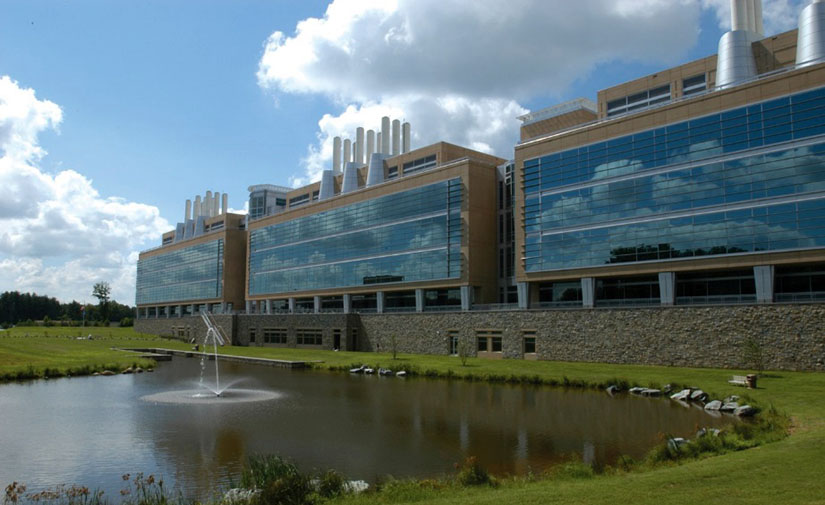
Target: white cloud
(458, 70)
(778, 15)
(58, 235)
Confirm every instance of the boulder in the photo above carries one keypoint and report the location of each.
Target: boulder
(612, 389)
(675, 443)
(698, 396)
(667, 389)
(651, 392)
(682, 395)
(729, 407)
(745, 411)
(636, 391)
(731, 399)
(714, 405)
(128, 371)
(107, 372)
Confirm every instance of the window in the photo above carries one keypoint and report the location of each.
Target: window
(693, 85)
(489, 341)
(529, 342)
(392, 172)
(274, 335)
(452, 338)
(251, 335)
(305, 336)
(299, 200)
(419, 164)
(638, 101)
(315, 195)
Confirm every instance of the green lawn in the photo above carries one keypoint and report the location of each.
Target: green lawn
(788, 471)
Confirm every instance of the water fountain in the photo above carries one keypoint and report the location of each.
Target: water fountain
(215, 394)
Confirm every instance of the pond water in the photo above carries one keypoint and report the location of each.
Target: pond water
(91, 430)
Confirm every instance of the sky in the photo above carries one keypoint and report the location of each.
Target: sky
(114, 112)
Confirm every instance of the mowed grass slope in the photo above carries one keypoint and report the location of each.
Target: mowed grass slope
(791, 470)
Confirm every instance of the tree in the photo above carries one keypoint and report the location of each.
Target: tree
(101, 291)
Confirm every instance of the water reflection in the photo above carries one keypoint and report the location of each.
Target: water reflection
(365, 427)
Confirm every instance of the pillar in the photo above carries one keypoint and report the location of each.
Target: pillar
(292, 305)
(167, 311)
(192, 310)
(523, 291)
(249, 306)
(180, 310)
(223, 307)
(316, 304)
(379, 302)
(466, 298)
(347, 303)
(268, 306)
(419, 300)
(763, 278)
(588, 292)
(667, 288)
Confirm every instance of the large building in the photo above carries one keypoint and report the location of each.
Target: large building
(669, 221)
(699, 184)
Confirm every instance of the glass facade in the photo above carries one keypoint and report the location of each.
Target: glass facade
(413, 235)
(191, 273)
(720, 184)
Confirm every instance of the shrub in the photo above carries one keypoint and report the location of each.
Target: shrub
(331, 484)
(127, 321)
(471, 473)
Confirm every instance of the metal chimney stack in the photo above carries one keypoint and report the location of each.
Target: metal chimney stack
(735, 61)
(396, 137)
(336, 155)
(359, 142)
(225, 204)
(810, 45)
(385, 135)
(405, 134)
(188, 213)
(347, 151)
(370, 143)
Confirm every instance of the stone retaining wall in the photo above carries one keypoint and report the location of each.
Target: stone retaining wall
(187, 327)
(789, 337)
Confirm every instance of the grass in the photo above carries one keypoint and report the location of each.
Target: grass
(786, 471)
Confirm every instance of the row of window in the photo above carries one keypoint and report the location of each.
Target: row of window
(793, 117)
(303, 336)
(190, 273)
(777, 227)
(491, 341)
(407, 236)
(777, 174)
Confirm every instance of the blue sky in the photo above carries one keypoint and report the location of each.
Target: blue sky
(140, 105)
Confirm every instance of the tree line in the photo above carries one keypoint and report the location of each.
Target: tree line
(17, 307)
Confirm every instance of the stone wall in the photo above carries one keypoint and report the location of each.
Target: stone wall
(790, 337)
(187, 327)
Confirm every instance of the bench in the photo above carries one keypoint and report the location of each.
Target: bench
(738, 380)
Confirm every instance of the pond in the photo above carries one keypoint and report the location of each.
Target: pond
(91, 430)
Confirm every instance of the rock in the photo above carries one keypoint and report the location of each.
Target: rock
(96, 374)
(128, 371)
(636, 391)
(238, 496)
(369, 371)
(714, 405)
(729, 407)
(612, 389)
(682, 395)
(698, 396)
(701, 433)
(675, 443)
(651, 392)
(355, 486)
(138, 370)
(402, 373)
(107, 372)
(745, 411)
(731, 399)
(667, 389)
(150, 369)
(357, 370)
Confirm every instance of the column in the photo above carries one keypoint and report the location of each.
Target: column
(249, 306)
(466, 297)
(192, 310)
(419, 300)
(268, 306)
(588, 292)
(167, 311)
(523, 291)
(347, 303)
(316, 304)
(763, 277)
(180, 310)
(667, 288)
(223, 307)
(292, 305)
(379, 302)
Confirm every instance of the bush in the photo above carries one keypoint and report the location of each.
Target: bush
(331, 484)
(471, 473)
(279, 481)
(127, 321)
